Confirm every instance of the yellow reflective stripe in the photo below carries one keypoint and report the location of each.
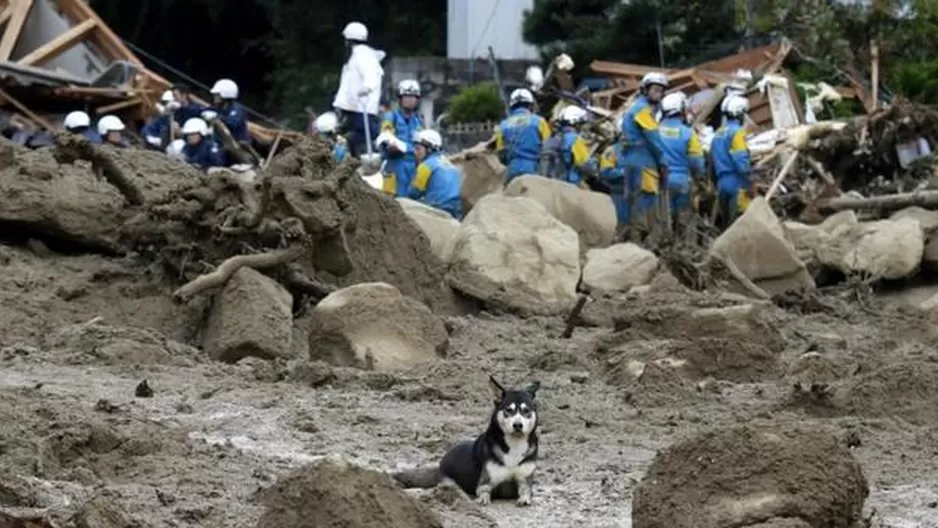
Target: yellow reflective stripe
(645, 119)
(694, 148)
(608, 159)
(543, 128)
(422, 178)
(738, 143)
(389, 184)
(499, 139)
(580, 152)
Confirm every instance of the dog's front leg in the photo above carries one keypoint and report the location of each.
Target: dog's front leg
(484, 489)
(524, 490)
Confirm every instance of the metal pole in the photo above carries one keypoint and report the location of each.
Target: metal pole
(660, 43)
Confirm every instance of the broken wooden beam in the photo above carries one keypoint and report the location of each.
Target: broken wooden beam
(11, 35)
(891, 202)
(40, 121)
(63, 42)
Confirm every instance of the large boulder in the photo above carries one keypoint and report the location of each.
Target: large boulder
(482, 174)
(333, 493)
(885, 249)
(619, 268)
(591, 214)
(58, 201)
(747, 475)
(809, 239)
(511, 253)
(439, 226)
(373, 326)
(756, 243)
(252, 316)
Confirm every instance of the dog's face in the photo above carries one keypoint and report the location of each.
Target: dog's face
(515, 410)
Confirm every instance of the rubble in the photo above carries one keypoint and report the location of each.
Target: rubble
(618, 268)
(511, 253)
(373, 327)
(591, 214)
(439, 226)
(752, 474)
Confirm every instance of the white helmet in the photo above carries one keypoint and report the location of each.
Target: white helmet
(327, 123)
(572, 115)
(167, 97)
(225, 88)
(735, 106)
(195, 125)
(110, 123)
(355, 31)
(429, 138)
(521, 96)
(408, 87)
(651, 78)
(76, 119)
(674, 104)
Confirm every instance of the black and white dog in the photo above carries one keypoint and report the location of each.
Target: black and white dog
(499, 463)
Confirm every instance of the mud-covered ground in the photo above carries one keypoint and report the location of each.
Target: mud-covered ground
(81, 332)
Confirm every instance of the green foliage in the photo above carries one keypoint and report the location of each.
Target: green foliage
(917, 81)
(475, 104)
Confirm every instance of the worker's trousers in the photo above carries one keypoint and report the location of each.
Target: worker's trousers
(353, 125)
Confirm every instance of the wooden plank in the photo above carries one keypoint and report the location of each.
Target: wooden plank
(26, 111)
(6, 13)
(14, 27)
(107, 109)
(63, 42)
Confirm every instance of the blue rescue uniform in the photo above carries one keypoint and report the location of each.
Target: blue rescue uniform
(612, 173)
(642, 152)
(234, 118)
(205, 155)
(437, 183)
(576, 157)
(683, 156)
(518, 142)
(155, 127)
(731, 166)
(400, 167)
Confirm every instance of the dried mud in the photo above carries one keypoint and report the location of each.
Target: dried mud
(83, 327)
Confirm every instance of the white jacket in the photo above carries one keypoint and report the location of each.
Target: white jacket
(362, 71)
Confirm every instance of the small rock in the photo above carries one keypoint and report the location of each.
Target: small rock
(579, 377)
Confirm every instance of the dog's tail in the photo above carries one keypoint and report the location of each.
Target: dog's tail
(422, 477)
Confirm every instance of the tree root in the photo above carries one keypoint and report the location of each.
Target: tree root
(70, 147)
(296, 280)
(227, 268)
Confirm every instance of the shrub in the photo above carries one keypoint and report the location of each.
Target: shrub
(475, 104)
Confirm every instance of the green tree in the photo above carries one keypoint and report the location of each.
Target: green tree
(475, 104)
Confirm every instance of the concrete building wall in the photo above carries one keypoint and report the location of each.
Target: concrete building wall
(474, 25)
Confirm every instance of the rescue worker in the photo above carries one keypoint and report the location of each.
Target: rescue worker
(111, 129)
(731, 162)
(397, 139)
(188, 107)
(437, 182)
(569, 155)
(612, 173)
(231, 113)
(641, 148)
(683, 155)
(79, 123)
(359, 89)
(326, 126)
(156, 131)
(200, 150)
(520, 137)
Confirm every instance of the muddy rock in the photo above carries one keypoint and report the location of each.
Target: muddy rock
(809, 239)
(65, 202)
(333, 493)
(154, 173)
(439, 226)
(752, 474)
(252, 316)
(373, 326)
(591, 214)
(101, 512)
(619, 268)
(482, 174)
(757, 244)
(885, 249)
(511, 253)
(905, 390)
(97, 343)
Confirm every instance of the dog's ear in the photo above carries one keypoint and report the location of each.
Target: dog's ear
(496, 390)
(532, 388)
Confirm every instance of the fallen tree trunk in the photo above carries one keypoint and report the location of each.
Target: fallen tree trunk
(892, 202)
(223, 272)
